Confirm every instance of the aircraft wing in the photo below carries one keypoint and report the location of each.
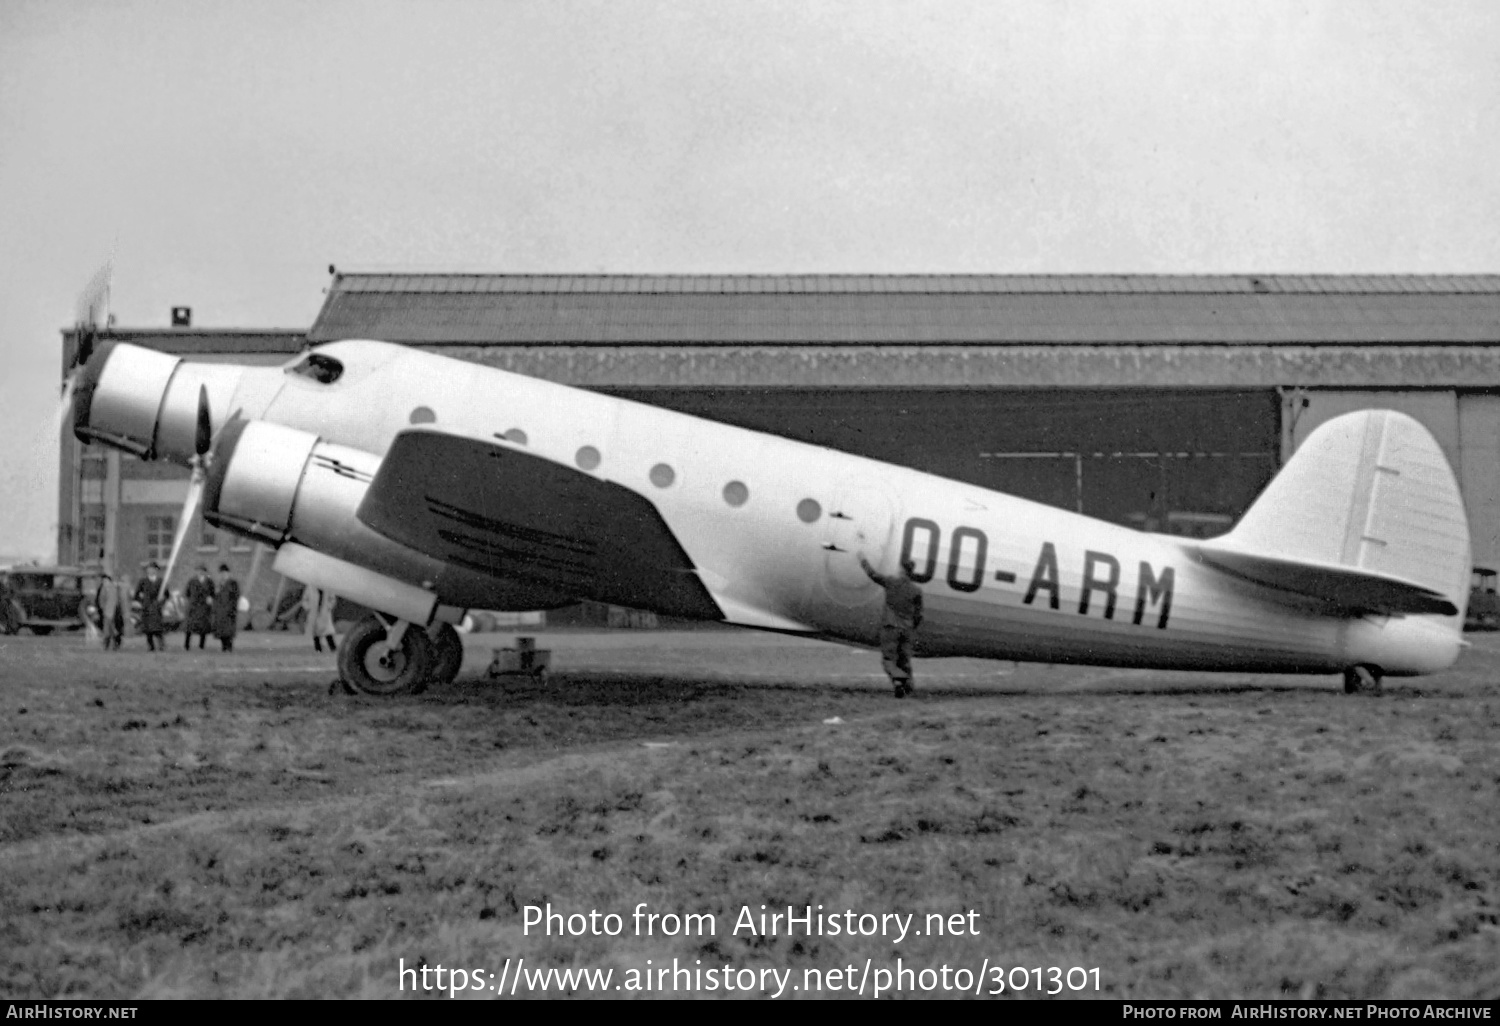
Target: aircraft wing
(1349, 588)
(516, 516)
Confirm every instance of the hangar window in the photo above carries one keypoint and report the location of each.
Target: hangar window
(323, 369)
(587, 458)
(93, 533)
(662, 475)
(159, 532)
(808, 511)
(736, 494)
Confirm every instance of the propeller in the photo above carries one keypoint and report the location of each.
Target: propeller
(202, 456)
(92, 314)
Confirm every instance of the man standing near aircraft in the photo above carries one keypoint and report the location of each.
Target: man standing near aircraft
(200, 609)
(903, 615)
(226, 608)
(110, 601)
(148, 596)
(319, 608)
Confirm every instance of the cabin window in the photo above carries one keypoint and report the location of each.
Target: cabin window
(736, 494)
(662, 475)
(587, 458)
(808, 511)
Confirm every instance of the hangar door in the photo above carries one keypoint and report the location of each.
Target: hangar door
(1182, 461)
(1466, 426)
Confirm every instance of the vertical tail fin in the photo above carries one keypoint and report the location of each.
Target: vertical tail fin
(1368, 497)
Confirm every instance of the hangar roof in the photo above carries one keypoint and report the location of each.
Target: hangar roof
(624, 310)
(200, 341)
(208, 344)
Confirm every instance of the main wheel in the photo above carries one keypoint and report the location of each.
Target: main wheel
(1362, 680)
(371, 666)
(447, 653)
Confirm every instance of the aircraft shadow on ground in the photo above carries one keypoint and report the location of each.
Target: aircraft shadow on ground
(646, 688)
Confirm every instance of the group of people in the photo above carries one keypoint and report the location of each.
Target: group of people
(212, 608)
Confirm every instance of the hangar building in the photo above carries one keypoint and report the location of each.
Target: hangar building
(1162, 402)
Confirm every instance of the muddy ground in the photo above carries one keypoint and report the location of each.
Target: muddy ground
(207, 825)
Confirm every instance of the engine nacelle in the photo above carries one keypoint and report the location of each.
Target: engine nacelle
(146, 402)
(280, 484)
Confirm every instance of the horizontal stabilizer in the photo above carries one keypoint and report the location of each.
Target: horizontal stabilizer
(1339, 586)
(1366, 516)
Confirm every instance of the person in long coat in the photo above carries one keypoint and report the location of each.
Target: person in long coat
(111, 606)
(149, 597)
(319, 606)
(226, 609)
(200, 609)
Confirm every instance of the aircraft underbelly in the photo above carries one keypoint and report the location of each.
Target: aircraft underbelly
(1206, 629)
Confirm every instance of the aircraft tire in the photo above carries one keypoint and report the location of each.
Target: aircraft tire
(447, 653)
(1362, 680)
(371, 667)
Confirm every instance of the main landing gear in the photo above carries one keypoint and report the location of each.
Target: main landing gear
(1362, 680)
(382, 655)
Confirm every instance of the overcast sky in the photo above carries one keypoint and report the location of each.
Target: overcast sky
(224, 153)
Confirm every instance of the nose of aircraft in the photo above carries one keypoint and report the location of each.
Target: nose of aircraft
(147, 403)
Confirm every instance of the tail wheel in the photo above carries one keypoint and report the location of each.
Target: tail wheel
(1362, 680)
(372, 666)
(447, 653)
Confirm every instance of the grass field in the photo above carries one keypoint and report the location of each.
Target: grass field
(201, 825)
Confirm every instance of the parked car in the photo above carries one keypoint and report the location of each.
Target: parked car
(1484, 603)
(42, 599)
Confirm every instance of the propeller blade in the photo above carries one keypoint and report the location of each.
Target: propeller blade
(189, 514)
(65, 404)
(203, 439)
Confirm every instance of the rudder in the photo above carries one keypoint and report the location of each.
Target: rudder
(1371, 491)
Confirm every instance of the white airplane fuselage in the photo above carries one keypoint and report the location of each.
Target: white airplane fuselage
(774, 528)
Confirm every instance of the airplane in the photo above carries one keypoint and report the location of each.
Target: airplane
(422, 486)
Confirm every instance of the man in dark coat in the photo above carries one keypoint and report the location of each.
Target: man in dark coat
(898, 628)
(148, 595)
(200, 608)
(226, 608)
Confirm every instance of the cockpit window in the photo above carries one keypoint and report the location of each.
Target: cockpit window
(323, 369)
